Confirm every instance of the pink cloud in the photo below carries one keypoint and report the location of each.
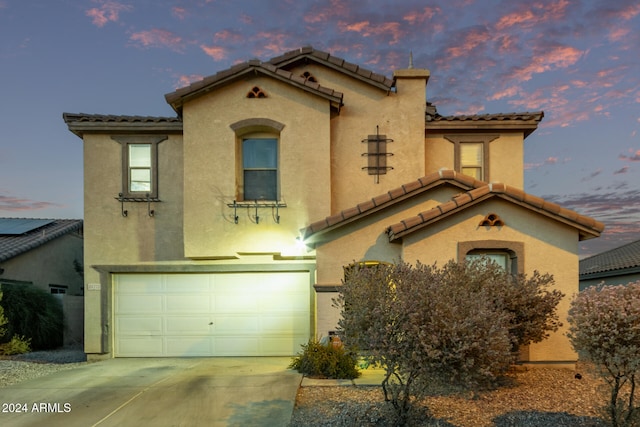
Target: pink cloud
(631, 11)
(158, 38)
(179, 12)
(216, 52)
(229, 36)
(631, 157)
(109, 11)
(505, 93)
(185, 80)
(419, 17)
(366, 29)
(548, 59)
(15, 204)
(273, 43)
(471, 40)
(324, 13)
(535, 15)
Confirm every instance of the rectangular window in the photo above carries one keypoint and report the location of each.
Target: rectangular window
(471, 159)
(140, 168)
(501, 258)
(260, 168)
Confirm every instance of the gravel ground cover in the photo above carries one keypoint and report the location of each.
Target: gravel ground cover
(22, 367)
(533, 398)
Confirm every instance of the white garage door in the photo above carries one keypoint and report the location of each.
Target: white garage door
(217, 314)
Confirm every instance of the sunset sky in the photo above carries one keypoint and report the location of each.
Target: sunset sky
(576, 60)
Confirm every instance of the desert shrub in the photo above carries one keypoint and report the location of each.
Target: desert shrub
(325, 361)
(3, 319)
(17, 345)
(460, 323)
(605, 329)
(33, 313)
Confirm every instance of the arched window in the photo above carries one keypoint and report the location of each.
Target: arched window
(258, 159)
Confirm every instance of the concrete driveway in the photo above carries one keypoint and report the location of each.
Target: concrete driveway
(242, 391)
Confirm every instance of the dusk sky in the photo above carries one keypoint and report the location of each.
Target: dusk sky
(576, 60)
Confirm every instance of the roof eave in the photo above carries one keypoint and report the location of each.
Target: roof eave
(307, 54)
(526, 127)
(584, 232)
(81, 128)
(610, 273)
(177, 100)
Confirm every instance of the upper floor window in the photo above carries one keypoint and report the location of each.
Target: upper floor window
(471, 154)
(139, 168)
(472, 159)
(260, 168)
(139, 164)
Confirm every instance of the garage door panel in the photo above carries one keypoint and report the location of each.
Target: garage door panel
(139, 303)
(252, 314)
(234, 303)
(188, 325)
(142, 283)
(188, 283)
(139, 346)
(139, 325)
(235, 324)
(188, 303)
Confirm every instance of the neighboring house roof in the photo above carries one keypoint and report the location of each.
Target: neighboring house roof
(475, 192)
(81, 123)
(622, 260)
(38, 233)
(179, 97)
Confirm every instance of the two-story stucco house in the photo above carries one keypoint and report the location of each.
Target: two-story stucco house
(224, 230)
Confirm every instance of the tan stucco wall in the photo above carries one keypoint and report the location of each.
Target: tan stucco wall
(112, 239)
(549, 247)
(506, 156)
(210, 172)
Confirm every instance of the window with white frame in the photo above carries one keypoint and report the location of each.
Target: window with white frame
(139, 168)
(472, 159)
(139, 164)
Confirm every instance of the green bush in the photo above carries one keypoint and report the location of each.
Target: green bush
(33, 313)
(605, 329)
(17, 345)
(325, 361)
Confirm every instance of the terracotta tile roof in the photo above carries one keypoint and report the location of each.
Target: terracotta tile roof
(527, 121)
(395, 195)
(474, 192)
(79, 123)
(308, 53)
(619, 260)
(14, 245)
(177, 98)
(587, 226)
